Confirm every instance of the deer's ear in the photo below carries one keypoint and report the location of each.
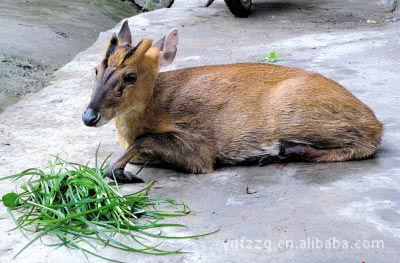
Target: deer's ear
(168, 47)
(125, 33)
(111, 46)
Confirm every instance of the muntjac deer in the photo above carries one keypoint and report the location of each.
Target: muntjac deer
(201, 117)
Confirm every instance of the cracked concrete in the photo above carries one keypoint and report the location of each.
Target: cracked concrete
(300, 202)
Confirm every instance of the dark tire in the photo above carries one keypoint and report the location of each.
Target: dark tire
(240, 8)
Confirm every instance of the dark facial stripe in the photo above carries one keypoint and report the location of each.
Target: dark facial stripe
(131, 51)
(107, 74)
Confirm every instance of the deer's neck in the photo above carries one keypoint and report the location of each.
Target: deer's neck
(129, 125)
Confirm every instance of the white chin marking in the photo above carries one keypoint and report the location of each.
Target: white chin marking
(101, 122)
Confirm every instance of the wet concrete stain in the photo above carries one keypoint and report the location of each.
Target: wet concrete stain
(39, 36)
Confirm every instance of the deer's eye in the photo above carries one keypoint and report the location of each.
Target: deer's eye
(96, 71)
(130, 78)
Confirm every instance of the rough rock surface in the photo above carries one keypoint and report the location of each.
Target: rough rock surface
(353, 42)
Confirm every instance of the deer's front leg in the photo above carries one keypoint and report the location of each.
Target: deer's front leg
(117, 170)
(166, 147)
(182, 151)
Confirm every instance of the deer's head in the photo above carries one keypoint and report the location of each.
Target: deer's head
(126, 75)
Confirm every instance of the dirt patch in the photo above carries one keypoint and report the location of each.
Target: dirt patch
(18, 76)
(43, 35)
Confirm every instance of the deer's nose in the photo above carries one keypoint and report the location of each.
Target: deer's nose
(91, 117)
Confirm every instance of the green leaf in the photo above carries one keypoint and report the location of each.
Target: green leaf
(10, 200)
(271, 57)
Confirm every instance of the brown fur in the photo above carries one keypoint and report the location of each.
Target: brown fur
(229, 110)
(195, 118)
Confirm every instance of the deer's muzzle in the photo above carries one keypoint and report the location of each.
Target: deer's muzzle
(91, 117)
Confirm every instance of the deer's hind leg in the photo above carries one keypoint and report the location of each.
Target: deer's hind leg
(302, 152)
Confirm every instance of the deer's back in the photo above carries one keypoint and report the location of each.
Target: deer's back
(242, 107)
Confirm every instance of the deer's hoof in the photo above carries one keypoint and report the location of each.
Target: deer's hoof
(124, 177)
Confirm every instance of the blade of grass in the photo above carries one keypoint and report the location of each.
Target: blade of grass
(76, 204)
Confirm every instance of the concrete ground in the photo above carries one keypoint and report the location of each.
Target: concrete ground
(39, 36)
(300, 212)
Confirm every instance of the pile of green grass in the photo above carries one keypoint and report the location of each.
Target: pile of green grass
(74, 203)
